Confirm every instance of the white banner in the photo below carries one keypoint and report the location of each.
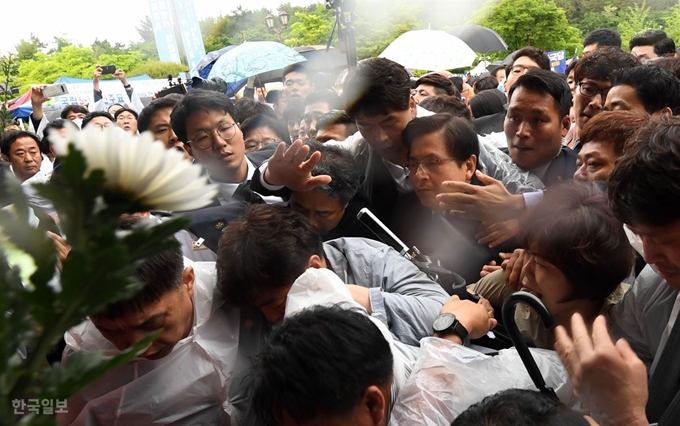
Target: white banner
(113, 92)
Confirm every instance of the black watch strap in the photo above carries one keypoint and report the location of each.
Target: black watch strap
(447, 323)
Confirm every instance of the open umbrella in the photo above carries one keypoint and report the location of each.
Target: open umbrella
(430, 50)
(318, 60)
(253, 58)
(480, 39)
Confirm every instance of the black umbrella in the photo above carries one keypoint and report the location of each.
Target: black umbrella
(480, 39)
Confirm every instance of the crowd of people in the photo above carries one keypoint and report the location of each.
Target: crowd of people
(282, 308)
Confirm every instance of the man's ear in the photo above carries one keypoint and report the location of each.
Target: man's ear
(315, 261)
(376, 404)
(666, 112)
(5, 158)
(187, 146)
(566, 125)
(412, 107)
(470, 166)
(188, 279)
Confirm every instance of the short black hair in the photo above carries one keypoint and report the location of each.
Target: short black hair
(327, 96)
(461, 139)
(519, 407)
(246, 108)
(340, 165)
(603, 37)
(319, 361)
(457, 82)
(494, 70)
(599, 64)
(375, 87)
(273, 96)
(296, 68)
(8, 138)
(125, 109)
(145, 117)
(275, 124)
(537, 55)
(570, 67)
(488, 102)
(663, 45)
(57, 124)
(93, 114)
(669, 63)
(656, 87)
(268, 247)
(549, 82)
(441, 84)
(321, 81)
(488, 82)
(161, 274)
(337, 116)
(199, 100)
(449, 104)
(78, 109)
(644, 187)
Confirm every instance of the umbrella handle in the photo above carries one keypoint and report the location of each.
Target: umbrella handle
(508, 315)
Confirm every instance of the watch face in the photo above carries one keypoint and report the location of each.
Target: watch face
(444, 321)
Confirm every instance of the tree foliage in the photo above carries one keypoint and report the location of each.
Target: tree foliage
(539, 23)
(310, 28)
(634, 20)
(158, 69)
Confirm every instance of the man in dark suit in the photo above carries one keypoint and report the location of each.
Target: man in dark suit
(537, 119)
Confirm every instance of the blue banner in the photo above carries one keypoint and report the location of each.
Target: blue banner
(558, 61)
(162, 19)
(187, 21)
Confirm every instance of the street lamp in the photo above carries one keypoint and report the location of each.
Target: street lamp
(269, 20)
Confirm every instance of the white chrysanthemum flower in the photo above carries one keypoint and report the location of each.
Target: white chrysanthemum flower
(154, 176)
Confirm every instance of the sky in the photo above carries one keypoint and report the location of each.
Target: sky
(114, 21)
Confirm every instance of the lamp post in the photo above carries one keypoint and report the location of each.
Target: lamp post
(270, 21)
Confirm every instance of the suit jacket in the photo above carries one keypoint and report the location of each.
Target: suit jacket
(561, 169)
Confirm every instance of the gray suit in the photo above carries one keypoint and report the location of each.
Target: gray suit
(401, 296)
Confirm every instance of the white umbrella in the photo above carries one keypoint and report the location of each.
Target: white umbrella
(430, 50)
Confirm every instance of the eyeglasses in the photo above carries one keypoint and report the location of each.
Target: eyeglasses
(205, 140)
(591, 90)
(520, 69)
(254, 145)
(102, 126)
(427, 165)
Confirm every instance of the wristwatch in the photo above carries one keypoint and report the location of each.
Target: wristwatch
(447, 324)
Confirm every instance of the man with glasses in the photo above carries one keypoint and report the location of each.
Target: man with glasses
(208, 124)
(524, 60)
(101, 119)
(444, 148)
(592, 76)
(261, 130)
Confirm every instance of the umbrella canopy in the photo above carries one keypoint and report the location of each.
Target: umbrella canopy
(480, 39)
(318, 60)
(253, 58)
(430, 50)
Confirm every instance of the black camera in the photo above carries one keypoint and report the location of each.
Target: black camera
(214, 84)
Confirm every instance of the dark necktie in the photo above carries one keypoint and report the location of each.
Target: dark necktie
(663, 405)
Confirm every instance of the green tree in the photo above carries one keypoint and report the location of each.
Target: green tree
(71, 61)
(26, 49)
(157, 69)
(380, 22)
(147, 47)
(539, 23)
(8, 71)
(311, 28)
(634, 20)
(672, 21)
(608, 17)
